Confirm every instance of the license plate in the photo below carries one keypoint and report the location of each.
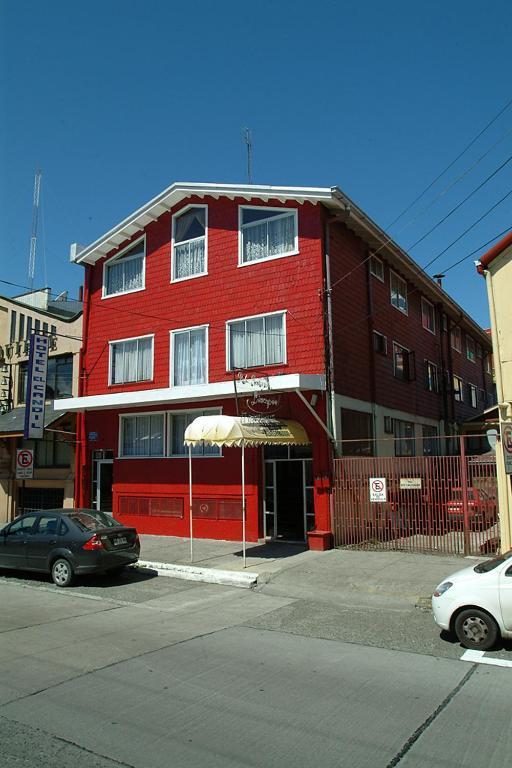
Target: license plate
(120, 540)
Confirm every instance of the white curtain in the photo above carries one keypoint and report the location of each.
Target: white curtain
(268, 238)
(281, 235)
(255, 342)
(179, 423)
(190, 357)
(189, 258)
(125, 275)
(255, 242)
(237, 345)
(132, 361)
(274, 339)
(143, 435)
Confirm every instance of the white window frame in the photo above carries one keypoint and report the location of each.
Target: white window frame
(434, 365)
(174, 218)
(382, 336)
(284, 212)
(379, 274)
(473, 395)
(393, 275)
(116, 257)
(432, 308)
(470, 340)
(168, 444)
(458, 394)
(458, 336)
(404, 349)
(172, 333)
(124, 416)
(121, 341)
(488, 366)
(282, 312)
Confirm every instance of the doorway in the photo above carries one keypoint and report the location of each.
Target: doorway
(288, 502)
(102, 479)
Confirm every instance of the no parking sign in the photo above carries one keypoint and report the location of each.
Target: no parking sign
(378, 490)
(24, 464)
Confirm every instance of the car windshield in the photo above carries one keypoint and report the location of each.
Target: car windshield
(489, 565)
(92, 520)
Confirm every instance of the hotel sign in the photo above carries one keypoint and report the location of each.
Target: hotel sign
(36, 387)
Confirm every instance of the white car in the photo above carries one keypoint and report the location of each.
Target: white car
(476, 603)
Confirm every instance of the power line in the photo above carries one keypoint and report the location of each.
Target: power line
(450, 165)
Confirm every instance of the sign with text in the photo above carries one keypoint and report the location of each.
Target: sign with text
(24, 464)
(506, 441)
(410, 483)
(378, 489)
(36, 387)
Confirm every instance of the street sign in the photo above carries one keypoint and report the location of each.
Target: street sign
(36, 387)
(378, 490)
(24, 464)
(506, 441)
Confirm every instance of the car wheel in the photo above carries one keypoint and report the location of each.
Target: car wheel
(476, 629)
(62, 573)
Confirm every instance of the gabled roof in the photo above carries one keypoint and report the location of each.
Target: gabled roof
(332, 198)
(495, 251)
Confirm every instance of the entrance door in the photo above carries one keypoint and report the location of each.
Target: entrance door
(105, 476)
(290, 500)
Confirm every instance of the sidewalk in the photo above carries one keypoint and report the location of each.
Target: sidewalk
(349, 576)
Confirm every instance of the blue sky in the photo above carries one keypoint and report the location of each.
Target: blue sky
(116, 100)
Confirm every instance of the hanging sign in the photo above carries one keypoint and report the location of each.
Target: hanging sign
(36, 387)
(378, 490)
(410, 483)
(24, 464)
(506, 441)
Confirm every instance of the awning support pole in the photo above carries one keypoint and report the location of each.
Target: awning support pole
(243, 501)
(190, 502)
(315, 414)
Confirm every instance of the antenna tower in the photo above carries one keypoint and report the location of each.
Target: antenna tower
(248, 141)
(33, 237)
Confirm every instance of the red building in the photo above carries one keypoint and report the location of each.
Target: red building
(216, 298)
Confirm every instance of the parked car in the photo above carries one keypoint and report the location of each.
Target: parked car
(481, 507)
(68, 542)
(475, 603)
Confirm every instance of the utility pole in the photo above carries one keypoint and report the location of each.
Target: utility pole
(248, 142)
(33, 237)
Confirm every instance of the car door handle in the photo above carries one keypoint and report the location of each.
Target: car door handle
(53, 541)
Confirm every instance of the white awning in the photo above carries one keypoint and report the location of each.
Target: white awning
(244, 430)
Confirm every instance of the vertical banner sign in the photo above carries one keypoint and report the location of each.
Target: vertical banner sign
(36, 387)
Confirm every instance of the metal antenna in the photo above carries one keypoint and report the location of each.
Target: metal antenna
(33, 238)
(248, 141)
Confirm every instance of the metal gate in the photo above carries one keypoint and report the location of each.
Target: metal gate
(435, 504)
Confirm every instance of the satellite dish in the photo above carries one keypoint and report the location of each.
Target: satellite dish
(492, 438)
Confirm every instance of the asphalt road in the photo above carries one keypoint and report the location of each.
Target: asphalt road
(152, 672)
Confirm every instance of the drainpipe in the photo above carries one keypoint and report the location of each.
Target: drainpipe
(373, 380)
(329, 360)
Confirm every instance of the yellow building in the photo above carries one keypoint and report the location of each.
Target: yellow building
(54, 467)
(496, 266)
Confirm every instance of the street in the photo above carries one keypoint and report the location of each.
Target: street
(148, 672)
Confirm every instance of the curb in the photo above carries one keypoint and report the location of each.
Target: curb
(208, 575)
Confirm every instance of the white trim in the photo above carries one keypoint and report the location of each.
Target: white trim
(395, 274)
(374, 258)
(115, 257)
(382, 336)
(172, 333)
(123, 416)
(214, 410)
(405, 349)
(194, 393)
(283, 211)
(173, 229)
(473, 388)
(426, 301)
(282, 312)
(435, 365)
(121, 341)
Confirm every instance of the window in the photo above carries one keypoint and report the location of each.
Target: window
(48, 525)
(59, 378)
(398, 292)
(380, 343)
(404, 438)
(428, 316)
(430, 441)
(267, 233)
(456, 338)
(142, 435)
(356, 433)
(403, 363)
(470, 349)
(458, 389)
(256, 341)
(479, 352)
(488, 364)
(189, 243)
(473, 395)
(189, 357)
(12, 334)
(131, 360)
(52, 451)
(178, 422)
(431, 379)
(37, 326)
(29, 327)
(377, 268)
(21, 328)
(124, 273)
